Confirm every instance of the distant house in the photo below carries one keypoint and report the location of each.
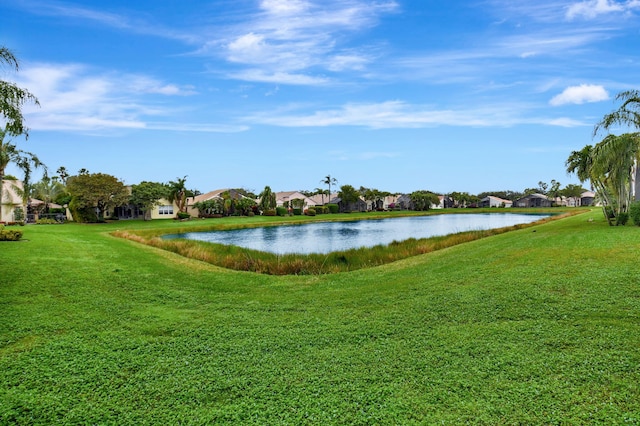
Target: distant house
(360, 205)
(12, 208)
(285, 198)
(533, 200)
(219, 194)
(491, 201)
(588, 198)
(11, 203)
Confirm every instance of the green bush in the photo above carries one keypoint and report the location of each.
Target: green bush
(281, 211)
(9, 234)
(622, 219)
(333, 208)
(270, 212)
(46, 221)
(297, 211)
(183, 215)
(310, 212)
(634, 212)
(251, 214)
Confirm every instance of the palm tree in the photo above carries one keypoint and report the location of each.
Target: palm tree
(178, 193)
(26, 161)
(609, 166)
(628, 114)
(321, 192)
(328, 180)
(12, 98)
(47, 190)
(614, 161)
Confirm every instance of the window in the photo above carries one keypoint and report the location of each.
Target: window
(168, 210)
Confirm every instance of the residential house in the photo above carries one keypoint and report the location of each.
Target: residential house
(285, 198)
(12, 206)
(219, 194)
(11, 203)
(533, 200)
(321, 200)
(491, 201)
(588, 198)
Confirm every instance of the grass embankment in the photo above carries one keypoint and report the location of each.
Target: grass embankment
(520, 328)
(243, 259)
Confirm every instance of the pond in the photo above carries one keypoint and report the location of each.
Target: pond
(326, 237)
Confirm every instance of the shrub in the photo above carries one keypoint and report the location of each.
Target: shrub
(251, 214)
(281, 211)
(310, 212)
(270, 212)
(183, 215)
(333, 208)
(297, 211)
(634, 212)
(46, 221)
(9, 234)
(622, 219)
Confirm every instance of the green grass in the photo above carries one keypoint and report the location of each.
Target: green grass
(520, 328)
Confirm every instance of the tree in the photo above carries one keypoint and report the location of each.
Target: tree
(609, 166)
(48, 190)
(94, 194)
(178, 193)
(267, 199)
(423, 200)
(348, 196)
(328, 180)
(321, 192)
(62, 172)
(13, 98)
(573, 191)
(26, 161)
(554, 190)
(146, 195)
(628, 114)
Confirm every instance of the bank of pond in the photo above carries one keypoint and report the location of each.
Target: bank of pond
(336, 246)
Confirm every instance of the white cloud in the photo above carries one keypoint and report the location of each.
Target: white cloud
(77, 98)
(261, 76)
(584, 93)
(398, 114)
(592, 8)
(292, 36)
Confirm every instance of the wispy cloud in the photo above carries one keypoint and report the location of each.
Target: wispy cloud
(299, 39)
(132, 23)
(581, 94)
(398, 114)
(77, 98)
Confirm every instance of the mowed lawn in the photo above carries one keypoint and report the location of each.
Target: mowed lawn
(535, 326)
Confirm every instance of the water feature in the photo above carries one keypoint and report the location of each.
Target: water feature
(326, 237)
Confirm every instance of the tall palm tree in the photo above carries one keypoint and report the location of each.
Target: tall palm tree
(26, 161)
(628, 114)
(328, 180)
(178, 193)
(47, 190)
(614, 161)
(12, 98)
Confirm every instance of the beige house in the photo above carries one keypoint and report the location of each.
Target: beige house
(10, 201)
(491, 201)
(285, 198)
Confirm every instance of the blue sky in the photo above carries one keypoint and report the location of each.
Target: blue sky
(397, 95)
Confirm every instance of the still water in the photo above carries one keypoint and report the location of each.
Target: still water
(326, 237)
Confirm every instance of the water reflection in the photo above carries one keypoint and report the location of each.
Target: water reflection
(325, 237)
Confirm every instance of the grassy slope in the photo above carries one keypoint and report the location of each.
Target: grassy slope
(540, 325)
